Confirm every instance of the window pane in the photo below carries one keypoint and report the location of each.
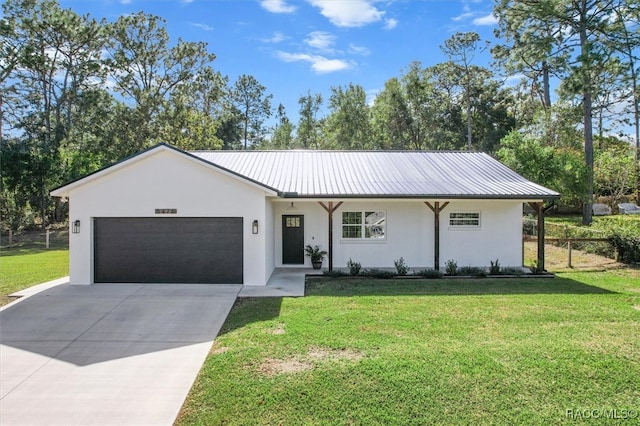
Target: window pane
(351, 218)
(464, 219)
(375, 224)
(351, 231)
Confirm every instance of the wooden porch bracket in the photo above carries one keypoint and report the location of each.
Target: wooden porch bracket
(330, 209)
(436, 209)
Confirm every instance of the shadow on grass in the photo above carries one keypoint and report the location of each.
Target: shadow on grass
(451, 287)
(248, 310)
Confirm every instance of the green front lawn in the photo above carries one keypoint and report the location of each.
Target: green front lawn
(22, 268)
(489, 351)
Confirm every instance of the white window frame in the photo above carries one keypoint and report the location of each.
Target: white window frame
(469, 216)
(363, 226)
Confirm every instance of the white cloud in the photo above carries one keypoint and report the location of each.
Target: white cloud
(489, 19)
(320, 40)
(125, 1)
(277, 6)
(390, 24)
(319, 64)
(359, 50)
(187, 1)
(202, 26)
(353, 13)
(276, 38)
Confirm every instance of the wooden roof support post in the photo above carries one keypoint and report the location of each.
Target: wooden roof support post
(330, 209)
(539, 209)
(436, 209)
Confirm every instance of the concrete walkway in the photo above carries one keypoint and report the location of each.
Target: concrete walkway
(106, 354)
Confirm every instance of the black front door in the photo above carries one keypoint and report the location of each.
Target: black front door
(293, 240)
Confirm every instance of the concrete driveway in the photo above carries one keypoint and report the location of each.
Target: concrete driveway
(106, 354)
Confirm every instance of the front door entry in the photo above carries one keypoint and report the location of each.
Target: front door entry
(293, 240)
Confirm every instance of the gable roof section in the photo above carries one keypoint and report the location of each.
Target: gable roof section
(63, 191)
(374, 174)
(355, 174)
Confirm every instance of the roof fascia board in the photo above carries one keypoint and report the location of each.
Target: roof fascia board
(321, 197)
(64, 190)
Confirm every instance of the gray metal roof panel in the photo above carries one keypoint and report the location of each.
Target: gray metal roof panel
(398, 174)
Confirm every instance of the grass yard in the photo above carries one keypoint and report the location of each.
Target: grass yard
(22, 268)
(492, 351)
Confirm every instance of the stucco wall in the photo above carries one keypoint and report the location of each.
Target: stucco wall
(167, 180)
(498, 237)
(410, 233)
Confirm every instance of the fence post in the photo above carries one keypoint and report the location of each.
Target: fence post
(10, 238)
(47, 239)
(569, 254)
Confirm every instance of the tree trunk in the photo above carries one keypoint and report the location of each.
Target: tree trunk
(588, 124)
(546, 86)
(469, 122)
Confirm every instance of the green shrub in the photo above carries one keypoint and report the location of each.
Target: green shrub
(627, 246)
(378, 273)
(429, 273)
(535, 268)
(401, 266)
(334, 274)
(354, 267)
(511, 271)
(472, 271)
(494, 269)
(451, 267)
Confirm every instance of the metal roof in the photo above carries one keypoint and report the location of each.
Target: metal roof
(371, 174)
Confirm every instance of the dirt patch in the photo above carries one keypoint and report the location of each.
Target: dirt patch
(272, 367)
(316, 355)
(217, 350)
(637, 308)
(279, 330)
(321, 354)
(556, 259)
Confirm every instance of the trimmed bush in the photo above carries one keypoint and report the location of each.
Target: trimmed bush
(378, 273)
(401, 266)
(334, 274)
(451, 267)
(429, 273)
(472, 271)
(354, 267)
(511, 271)
(494, 269)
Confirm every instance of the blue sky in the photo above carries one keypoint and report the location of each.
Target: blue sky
(295, 46)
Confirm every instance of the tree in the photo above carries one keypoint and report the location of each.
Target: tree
(558, 168)
(614, 170)
(461, 49)
(348, 125)
(282, 137)
(56, 61)
(309, 125)
(249, 98)
(147, 70)
(578, 35)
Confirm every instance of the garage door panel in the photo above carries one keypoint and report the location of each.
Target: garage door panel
(168, 250)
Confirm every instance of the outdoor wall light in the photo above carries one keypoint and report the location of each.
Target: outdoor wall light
(254, 227)
(75, 227)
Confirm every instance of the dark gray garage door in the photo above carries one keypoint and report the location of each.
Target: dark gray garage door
(168, 250)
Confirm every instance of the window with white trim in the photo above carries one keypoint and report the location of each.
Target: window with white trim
(364, 225)
(464, 219)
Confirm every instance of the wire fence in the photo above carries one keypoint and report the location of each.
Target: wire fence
(591, 241)
(49, 239)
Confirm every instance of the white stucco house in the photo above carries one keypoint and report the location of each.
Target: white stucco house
(170, 216)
